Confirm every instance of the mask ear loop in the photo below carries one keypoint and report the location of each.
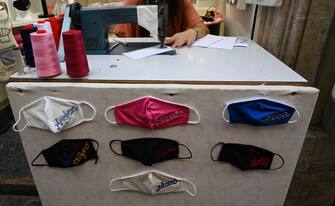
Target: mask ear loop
(213, 149)
(96, 151)
(283, 162)
(110, 145)
(298, 117)
(32, 162)
(113, 189)
(106, 117)
(188, 191)
(16, 123)
(93, 109)
(20, 115)
(224, 114)
(197, 114)
(189, 157)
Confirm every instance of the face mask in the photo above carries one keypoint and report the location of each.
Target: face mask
(69, 153)
(53, 113)
(152, 183)
(246, 157)
(260, 112)
(151, 113)
(150, 150)
(22, 5)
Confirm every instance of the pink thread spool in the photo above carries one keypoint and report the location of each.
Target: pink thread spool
(45, 54)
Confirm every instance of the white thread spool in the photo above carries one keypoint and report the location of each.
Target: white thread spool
(43, 25)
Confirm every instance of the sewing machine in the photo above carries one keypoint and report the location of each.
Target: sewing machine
(95, 21)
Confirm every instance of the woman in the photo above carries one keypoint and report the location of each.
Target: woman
(185, 25)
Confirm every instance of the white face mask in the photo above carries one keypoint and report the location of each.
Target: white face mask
(53, 113)
(152, 182)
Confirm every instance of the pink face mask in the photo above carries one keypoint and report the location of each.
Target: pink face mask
(151, 113)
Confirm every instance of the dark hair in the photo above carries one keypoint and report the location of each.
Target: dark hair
(176, 9)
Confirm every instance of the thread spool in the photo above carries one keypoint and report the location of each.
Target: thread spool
(75, 54)
(45, 54)
(43, 25)
(56, 26)
(28, 49)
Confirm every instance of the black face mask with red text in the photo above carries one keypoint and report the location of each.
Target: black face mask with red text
(150, 150)
(246, 157)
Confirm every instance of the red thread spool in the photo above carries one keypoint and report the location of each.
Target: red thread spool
(28, 27)
(75, 54)
(56, 26)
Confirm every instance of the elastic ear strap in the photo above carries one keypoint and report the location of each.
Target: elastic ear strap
(193, 185)
(283, 162)
(213, 149)
(106, 117)
(197, 114)
(20, 114)
(189, 157)
(32, 162)
(16, 123)
(96, 151)
(110, 145)
(294, 121)
(93, 109)
(114, 189)
(224, 114)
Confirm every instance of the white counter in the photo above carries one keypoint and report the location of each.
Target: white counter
(252, 65)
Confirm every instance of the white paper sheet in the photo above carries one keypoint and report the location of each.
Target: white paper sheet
(207, 40)
(225, 43)
(146, 52)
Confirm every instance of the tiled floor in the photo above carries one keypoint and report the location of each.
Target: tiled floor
(13, 162)
(19, 201)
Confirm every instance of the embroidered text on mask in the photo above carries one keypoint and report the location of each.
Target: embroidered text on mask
(62, 120)
(82, 155)
(276, 117)
(164, 185)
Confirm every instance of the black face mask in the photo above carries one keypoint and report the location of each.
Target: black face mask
(69, 153)
(22, 5)
(246, 157)
(150, 150)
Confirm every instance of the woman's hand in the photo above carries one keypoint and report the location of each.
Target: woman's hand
(179, 39)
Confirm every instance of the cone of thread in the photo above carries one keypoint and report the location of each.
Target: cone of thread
(75, 54)
(28, 49)
(45, 54)
(56, 26)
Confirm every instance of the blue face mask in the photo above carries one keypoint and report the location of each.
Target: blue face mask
(260, 112)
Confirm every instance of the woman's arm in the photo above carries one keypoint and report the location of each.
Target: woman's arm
(188, 36)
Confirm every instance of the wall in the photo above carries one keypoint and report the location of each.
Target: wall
(239, 22)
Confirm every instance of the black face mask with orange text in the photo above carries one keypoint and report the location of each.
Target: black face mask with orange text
(69, 153)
